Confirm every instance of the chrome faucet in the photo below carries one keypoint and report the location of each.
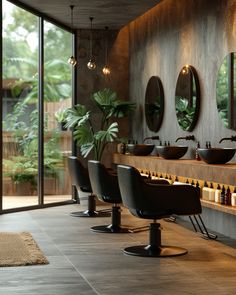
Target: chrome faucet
(151, 137)
(232, 138)
(188, 137)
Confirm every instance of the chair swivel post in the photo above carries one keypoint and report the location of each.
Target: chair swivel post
(116, 216)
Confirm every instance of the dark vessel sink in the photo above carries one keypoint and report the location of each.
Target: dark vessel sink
(172, 152)
(140, 149)
(216, 155)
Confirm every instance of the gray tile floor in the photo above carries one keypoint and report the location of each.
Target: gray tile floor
(84, 262)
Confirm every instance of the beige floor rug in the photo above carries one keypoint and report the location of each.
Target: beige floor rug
(19, 249)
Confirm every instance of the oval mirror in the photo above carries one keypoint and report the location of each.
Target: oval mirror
(226, 91)
(154, 103)
(187, 98)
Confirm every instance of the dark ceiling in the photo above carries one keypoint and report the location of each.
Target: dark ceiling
(112, 13)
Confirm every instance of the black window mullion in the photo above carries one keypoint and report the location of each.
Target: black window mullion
(41, 115)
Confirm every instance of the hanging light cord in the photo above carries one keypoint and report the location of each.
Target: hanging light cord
(106, 45)
(91, 37)
(72, 22)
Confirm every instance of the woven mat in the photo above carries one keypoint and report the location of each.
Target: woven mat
(19, 249)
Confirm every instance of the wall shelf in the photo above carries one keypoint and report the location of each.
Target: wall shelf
(191, 169)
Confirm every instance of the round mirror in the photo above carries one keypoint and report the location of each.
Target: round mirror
(187, 98)
(154, 103)
(226, 91)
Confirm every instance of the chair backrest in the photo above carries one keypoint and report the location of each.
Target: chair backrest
(104, 183)
(79, 175)
(172, 199)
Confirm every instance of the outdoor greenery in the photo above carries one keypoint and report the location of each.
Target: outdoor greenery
(185, 113)
(20, 71)
(93, 136)
(24, 166)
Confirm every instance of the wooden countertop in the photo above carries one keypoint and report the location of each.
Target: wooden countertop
(222, 173)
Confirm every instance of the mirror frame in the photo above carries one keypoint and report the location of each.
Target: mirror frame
(197, 109)
(151, 81)
(230, 76)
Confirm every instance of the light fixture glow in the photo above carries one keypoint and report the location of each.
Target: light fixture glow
(91, 63)
(185, 70)
(72, 60)
(106, 70)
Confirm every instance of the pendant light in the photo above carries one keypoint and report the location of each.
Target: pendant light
(106, 70)
(91, 63)
(72, 60)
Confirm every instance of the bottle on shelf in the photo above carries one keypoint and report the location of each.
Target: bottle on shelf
(197, 157)
(233, 198)
(228, 197)
(217, 194)
(222, 196)
(205, 192)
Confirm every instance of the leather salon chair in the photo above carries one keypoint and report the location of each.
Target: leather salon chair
(80, 179)
(155, 201)
(105, 186)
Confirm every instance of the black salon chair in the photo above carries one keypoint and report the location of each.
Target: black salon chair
(105, 186)
(155, 201)
(80, 179)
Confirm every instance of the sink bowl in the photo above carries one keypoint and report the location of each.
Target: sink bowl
(140, 149)
(172, 152)
(216, 155)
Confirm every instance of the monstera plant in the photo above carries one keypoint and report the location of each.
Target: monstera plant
(91, 135)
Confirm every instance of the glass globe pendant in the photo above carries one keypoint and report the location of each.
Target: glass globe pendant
(91, 63)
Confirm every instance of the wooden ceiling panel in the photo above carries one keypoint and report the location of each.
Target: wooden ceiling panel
(112, 13)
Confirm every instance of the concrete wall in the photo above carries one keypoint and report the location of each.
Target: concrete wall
(162, 41)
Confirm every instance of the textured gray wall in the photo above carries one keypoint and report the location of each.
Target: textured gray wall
(162, 41)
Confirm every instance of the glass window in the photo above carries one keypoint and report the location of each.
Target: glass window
(20, 107)
(57, 97)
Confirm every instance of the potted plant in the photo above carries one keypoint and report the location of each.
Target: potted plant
(91, 135)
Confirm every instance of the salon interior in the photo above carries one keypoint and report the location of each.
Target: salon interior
(118, 145)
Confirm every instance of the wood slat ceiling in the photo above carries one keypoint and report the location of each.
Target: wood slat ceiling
(112, 13)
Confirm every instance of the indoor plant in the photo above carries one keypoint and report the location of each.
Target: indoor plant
(91, 135)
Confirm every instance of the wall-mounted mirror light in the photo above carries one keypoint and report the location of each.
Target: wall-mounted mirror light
(154, 103)
(187, 98)
(226, 91)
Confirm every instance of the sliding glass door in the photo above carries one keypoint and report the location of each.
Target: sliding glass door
(57, 97)
(36, 86)
(20, 107)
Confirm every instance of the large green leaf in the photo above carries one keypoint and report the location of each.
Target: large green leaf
(108, 102)
(77, 116)
(86, 149)
(83, 135)
(107, 135)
